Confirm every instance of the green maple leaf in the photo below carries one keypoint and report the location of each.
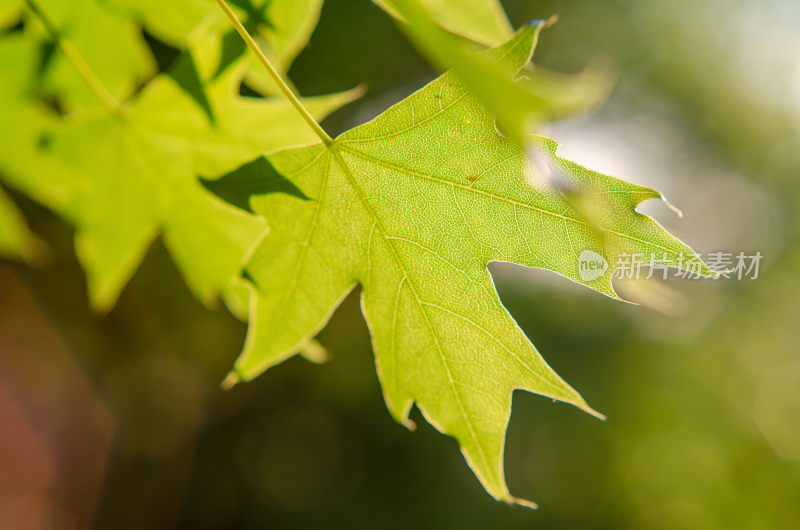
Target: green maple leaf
(121, 61)
(123, 179)
(282, 28)
(172, 21)
(9, 14)
(413, 206)
(16, 239)
(520, 105)
(22, 122)
(13, 230)
(482, 21)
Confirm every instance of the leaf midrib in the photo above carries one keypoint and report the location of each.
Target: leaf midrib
(351, 179)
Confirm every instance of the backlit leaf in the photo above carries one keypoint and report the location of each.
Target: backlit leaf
(413, 206)
(123, 180)
(520, 107)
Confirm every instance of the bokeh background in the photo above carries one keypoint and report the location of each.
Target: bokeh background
(118, 422)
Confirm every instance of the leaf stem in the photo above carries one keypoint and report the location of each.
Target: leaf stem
(275, 75)
(83, 69)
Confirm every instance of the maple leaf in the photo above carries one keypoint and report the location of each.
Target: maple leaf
(124, 178)
(16, 239)
(13, 231)
(121, 62)
(519, 105)
(413, 206)
(170, 21)
(282, 28)
(482, 21)
(10, 13)
(22, 123)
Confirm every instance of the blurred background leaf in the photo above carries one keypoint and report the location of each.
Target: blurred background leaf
(16, 240)
(129, 173)
(520, 106)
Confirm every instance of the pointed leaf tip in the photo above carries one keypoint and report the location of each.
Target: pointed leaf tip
(230, 381)
(543, 22)
(521, 502)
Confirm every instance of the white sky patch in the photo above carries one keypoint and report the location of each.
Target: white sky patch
(797, 82)
(638, 149)
(765, 51)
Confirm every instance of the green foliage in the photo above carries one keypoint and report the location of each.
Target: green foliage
(520, 104)
(482, 21)
(412, 205)
(22, 123)
(124, 177)
(282, 28)
(16, 240)
(108, 42)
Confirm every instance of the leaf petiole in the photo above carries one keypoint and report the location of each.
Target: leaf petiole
(275, 75)
(83, 69)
